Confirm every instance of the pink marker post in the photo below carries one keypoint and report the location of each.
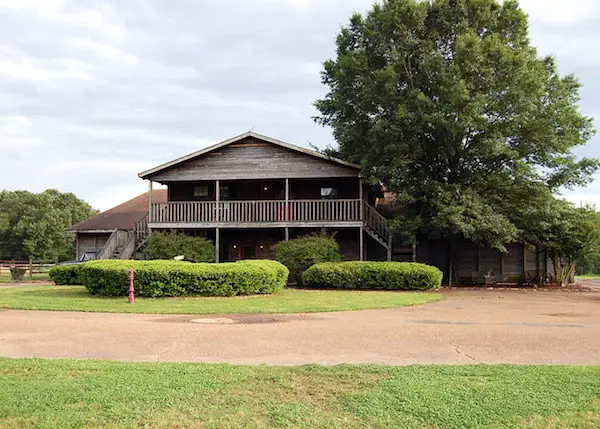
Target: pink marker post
(131, 295)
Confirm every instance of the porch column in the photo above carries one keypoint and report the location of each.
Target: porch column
(360, 197)
(217, 244)
(150, 201)
(217, 205)
(287, 208)
(389, 249)
(361, 243)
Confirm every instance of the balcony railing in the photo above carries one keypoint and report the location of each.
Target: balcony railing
(275, 211)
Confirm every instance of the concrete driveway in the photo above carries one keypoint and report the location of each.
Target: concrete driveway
(470, 326)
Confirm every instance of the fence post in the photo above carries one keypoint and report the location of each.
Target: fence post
(30, 268)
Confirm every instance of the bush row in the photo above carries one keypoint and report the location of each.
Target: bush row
(66, 274)
(174, 278)
(373, 275)
(301, 253)
(167, 245)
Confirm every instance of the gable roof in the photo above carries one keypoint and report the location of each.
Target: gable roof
(122, 216)
(147, 173)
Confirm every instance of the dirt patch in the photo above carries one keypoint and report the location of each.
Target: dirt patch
(237, 319)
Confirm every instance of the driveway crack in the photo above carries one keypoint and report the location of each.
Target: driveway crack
(460, 352)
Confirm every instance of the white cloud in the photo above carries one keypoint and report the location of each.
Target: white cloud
(93, 92)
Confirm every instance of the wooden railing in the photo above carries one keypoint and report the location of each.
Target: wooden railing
(129, 248)
(117, 240)
(374, 220)
(140, 229)
(257, 211)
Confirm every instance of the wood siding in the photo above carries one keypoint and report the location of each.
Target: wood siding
(91, 242)
(253, 159)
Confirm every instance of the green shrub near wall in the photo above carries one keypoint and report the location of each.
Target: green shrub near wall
(301, 253)
(167, 245)
(174, 278)
(373, 275)
(66, 274)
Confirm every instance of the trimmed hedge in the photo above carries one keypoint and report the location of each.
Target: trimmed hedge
(174, 278)
(373, 275)
(167, 245)
(66, 274)
(301, 253)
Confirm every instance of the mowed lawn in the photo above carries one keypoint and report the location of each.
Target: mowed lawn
(5, 277)
(98, 394)
(76, 298)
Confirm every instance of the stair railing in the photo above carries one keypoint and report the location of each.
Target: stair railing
(116, 240)
(376, 221)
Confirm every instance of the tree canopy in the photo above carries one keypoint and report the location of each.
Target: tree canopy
(35, 225)
(448, 105)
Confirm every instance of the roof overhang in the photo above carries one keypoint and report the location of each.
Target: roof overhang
(146, 174)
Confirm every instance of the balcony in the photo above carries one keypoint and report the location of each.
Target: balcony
(249, 214)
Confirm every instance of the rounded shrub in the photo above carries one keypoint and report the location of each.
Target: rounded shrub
(167, 245)
(373, 275)
(301, 253)
(66, 274)
(174, 278)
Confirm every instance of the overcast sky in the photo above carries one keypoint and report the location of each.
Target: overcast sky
(93, 92)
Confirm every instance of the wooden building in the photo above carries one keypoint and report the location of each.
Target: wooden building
(252, 191)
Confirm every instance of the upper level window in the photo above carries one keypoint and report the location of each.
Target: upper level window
(201, 191)
(329, 193)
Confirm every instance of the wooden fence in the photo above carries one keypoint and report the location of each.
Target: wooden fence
(32, 266)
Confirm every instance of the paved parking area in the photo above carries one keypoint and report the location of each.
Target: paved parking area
(470, 326)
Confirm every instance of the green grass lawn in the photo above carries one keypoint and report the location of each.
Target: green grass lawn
(76, 298)
(99, 394)
(588, 277)
(5, 277)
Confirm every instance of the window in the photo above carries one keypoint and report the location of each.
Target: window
(329, 193)
(201, 191)
(224, 192)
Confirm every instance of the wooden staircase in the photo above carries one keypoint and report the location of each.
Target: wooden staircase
(122, 244)
(376, 225)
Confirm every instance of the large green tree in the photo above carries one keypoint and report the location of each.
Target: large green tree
(35, 225)
(447, 104)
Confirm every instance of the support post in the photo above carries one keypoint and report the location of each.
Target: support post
(361, 243)
(150, 201)
(287, 234)
(218, 205)
(360, 197)
(414, 251)
(30, 268)
(287, 205)
(389, 249)
(217, 244)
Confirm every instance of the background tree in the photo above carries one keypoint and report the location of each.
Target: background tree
(447, 104)
(35, 225)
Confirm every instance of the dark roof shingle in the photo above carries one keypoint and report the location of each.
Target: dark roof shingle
(122, 216)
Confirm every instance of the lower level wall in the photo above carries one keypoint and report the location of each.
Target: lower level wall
(518, 263)
(90, 242)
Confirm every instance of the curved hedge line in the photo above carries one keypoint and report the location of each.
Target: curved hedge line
(174, 278)
(373, 275)
(66, 274)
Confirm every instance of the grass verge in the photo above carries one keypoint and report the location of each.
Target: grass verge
(5, 277)
(76, 298)
(73, 394)
(588, 277)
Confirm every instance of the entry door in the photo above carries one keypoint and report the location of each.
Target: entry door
(248, 252)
